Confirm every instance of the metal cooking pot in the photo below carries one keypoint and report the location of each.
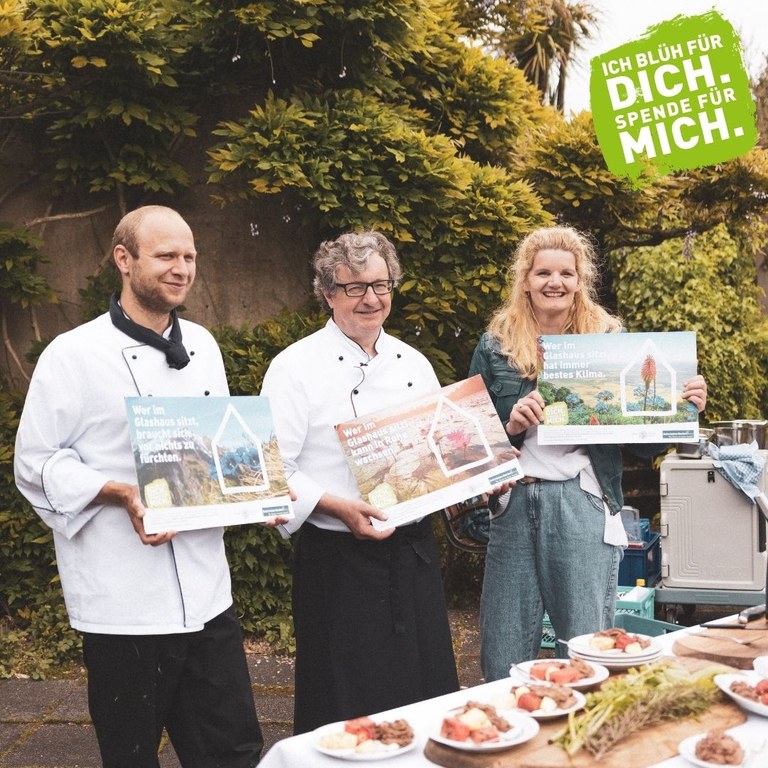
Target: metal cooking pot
(696, 450)
(740, 431)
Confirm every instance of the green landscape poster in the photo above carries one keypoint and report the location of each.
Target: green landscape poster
(617, 388)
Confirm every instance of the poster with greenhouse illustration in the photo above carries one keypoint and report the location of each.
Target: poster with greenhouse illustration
(445, 447)
(203, 462)
(617, 388)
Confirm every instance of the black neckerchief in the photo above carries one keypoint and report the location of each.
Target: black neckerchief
(175, 353)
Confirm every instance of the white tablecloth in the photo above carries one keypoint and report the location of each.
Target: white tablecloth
(426, 716)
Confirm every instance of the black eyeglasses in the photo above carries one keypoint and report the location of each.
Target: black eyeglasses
(356, 290)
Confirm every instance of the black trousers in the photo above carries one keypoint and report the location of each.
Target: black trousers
(194, 685)
(371, 624)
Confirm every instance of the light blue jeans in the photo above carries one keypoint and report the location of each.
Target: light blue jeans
(546, 552)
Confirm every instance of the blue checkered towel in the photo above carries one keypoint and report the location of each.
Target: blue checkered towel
(740, 464)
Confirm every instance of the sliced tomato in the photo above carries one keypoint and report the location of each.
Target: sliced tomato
(762, 686)
(362, 727)
(622, 641)
(454, 729)
(565, 675)
(529, 702)
(480, 735)
(543, 670)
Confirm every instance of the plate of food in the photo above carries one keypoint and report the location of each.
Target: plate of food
(364, 739)
(574, 673)
(481, 727)
(749, 691)
(713, 749)
(614, 643)
(543, 701)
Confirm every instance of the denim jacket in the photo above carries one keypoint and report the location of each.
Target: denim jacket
(506, 386)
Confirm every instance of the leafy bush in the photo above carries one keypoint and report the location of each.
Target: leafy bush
(36, 637)
(703, 284)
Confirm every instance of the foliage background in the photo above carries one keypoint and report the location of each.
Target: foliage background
(368, 115)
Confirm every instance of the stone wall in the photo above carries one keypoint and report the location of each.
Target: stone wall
(254, 259)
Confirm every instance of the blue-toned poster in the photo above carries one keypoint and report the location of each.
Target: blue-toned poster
(203, 462)
(618, 388)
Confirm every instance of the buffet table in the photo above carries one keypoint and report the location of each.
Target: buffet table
(425, 716)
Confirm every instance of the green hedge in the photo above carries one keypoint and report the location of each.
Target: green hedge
(36, 638)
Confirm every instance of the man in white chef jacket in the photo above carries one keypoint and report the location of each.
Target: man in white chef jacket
(161, 641)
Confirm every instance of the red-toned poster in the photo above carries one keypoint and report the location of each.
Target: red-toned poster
(422, 456)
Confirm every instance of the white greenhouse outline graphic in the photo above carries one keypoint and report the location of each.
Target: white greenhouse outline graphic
(649, 348)
(435, 448)
(229, 413)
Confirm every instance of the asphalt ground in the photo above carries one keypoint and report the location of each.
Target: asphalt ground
(45, 723)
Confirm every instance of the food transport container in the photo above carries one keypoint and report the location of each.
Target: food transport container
(711, 532)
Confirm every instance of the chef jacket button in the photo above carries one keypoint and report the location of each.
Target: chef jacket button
(207, 392)
(191, 352)
(355, 391)
(341, 357)
(133, 357)
(399, 355)
(410, 383)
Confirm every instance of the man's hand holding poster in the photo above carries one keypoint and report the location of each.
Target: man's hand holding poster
(423, 456)
(203, 462)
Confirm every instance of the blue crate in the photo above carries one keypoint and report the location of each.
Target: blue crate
(642, 562)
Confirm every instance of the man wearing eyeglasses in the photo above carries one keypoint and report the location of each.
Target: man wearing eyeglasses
(369, 614)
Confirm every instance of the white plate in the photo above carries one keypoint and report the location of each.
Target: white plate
(523, 729)
(387, 751)
(600, 673)
(760, 665)
(723, 682)
(540, 714)
(581, 646)
(687, 749)
(617, 665)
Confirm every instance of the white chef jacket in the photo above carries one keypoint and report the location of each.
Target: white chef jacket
(321, 381)
(73, 437)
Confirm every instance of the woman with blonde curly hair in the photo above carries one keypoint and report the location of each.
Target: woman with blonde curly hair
(556, 539)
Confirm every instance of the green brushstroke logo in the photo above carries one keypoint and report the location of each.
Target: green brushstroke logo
(677, 98)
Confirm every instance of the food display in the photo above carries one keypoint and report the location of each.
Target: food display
(476, 722)
(484, 727)
(719, 748)
(561, 672)
(619, 639)
(659, 691)
(748, 690)
(757, 693)
(576, 673)
(615, 648)
(544, 698)
(362, 737)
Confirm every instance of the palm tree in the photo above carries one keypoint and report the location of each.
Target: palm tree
(541, 36)
(544, 50)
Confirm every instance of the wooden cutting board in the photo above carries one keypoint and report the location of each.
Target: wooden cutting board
(641, 749)
(714, 645)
